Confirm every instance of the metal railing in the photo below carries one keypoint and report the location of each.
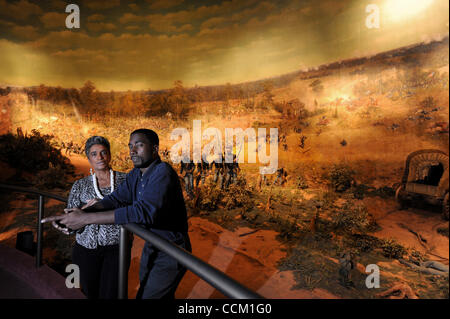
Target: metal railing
(219, 280)
(39, 225)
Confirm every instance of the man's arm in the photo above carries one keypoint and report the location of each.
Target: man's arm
(105, 217)
(147, 209)
(98, 206)
(75, 218)
(122, 196)
(143, 211)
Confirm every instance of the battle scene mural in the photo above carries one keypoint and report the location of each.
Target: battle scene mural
(310, 138)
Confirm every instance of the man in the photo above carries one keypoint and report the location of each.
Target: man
(231, 170)
(188, 167)
(150, 195)
(202, 171)
(166, 154)
(219, 170)
(347, 263)
(69, 147)
(281, 177)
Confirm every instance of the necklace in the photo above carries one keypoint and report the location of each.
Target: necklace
(94, 181)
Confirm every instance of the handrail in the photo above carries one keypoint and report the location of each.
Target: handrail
(211, 275)
(39, 226)
(205, 271)
(33, 191)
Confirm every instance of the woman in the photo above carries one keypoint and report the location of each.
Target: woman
(96, 250)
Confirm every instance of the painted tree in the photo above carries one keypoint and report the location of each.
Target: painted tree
(317, 86)
(88, 97)
(178, 101)
(267, 92)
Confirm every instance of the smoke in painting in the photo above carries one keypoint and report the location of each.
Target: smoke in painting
(311, 138)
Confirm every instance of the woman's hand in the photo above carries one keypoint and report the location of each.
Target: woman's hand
(90, 203)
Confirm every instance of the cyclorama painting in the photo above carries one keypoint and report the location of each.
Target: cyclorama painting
(355, 92)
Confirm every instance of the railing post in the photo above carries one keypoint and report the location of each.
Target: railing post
(123, 258)
(39, 231)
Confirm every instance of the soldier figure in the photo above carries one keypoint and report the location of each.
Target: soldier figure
(262, 180)
(302, 141)
(281, 176)
(202, 171)
(347, 264)
(165, 154)
(218, 171)
(188, 168)
(69, 148)
(231, 170)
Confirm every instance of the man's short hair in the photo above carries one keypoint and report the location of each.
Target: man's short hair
(96, 140)
(151, 135)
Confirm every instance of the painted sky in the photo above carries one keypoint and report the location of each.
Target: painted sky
(125, 45)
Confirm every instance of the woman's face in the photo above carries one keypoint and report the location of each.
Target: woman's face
(99, 157)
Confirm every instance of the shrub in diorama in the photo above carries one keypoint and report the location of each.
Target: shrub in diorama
(317, 86)
(34, 153)
(417, 256)
(443, 231)
(363, 242)
(341, 177)
(236, 195)
(288, 228)
(30, 152)
(209, 198)
(302, 183)
(392, 249)
(428, 103)
(53, 177)
(351, 219)
(359, 191)
(279, 107)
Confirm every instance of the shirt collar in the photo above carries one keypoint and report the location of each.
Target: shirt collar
(150, 168)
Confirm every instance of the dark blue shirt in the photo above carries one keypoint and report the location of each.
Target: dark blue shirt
(153, 199)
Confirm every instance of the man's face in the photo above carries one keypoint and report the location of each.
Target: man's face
(142, 152)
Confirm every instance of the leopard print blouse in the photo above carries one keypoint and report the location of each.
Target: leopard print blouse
(94, 235)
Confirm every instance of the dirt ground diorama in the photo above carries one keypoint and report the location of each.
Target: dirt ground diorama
(348, 197)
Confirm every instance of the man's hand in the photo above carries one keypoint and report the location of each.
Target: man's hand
(74, 218)
(59, 227)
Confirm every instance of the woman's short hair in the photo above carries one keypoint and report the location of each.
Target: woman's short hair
(96, 140)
